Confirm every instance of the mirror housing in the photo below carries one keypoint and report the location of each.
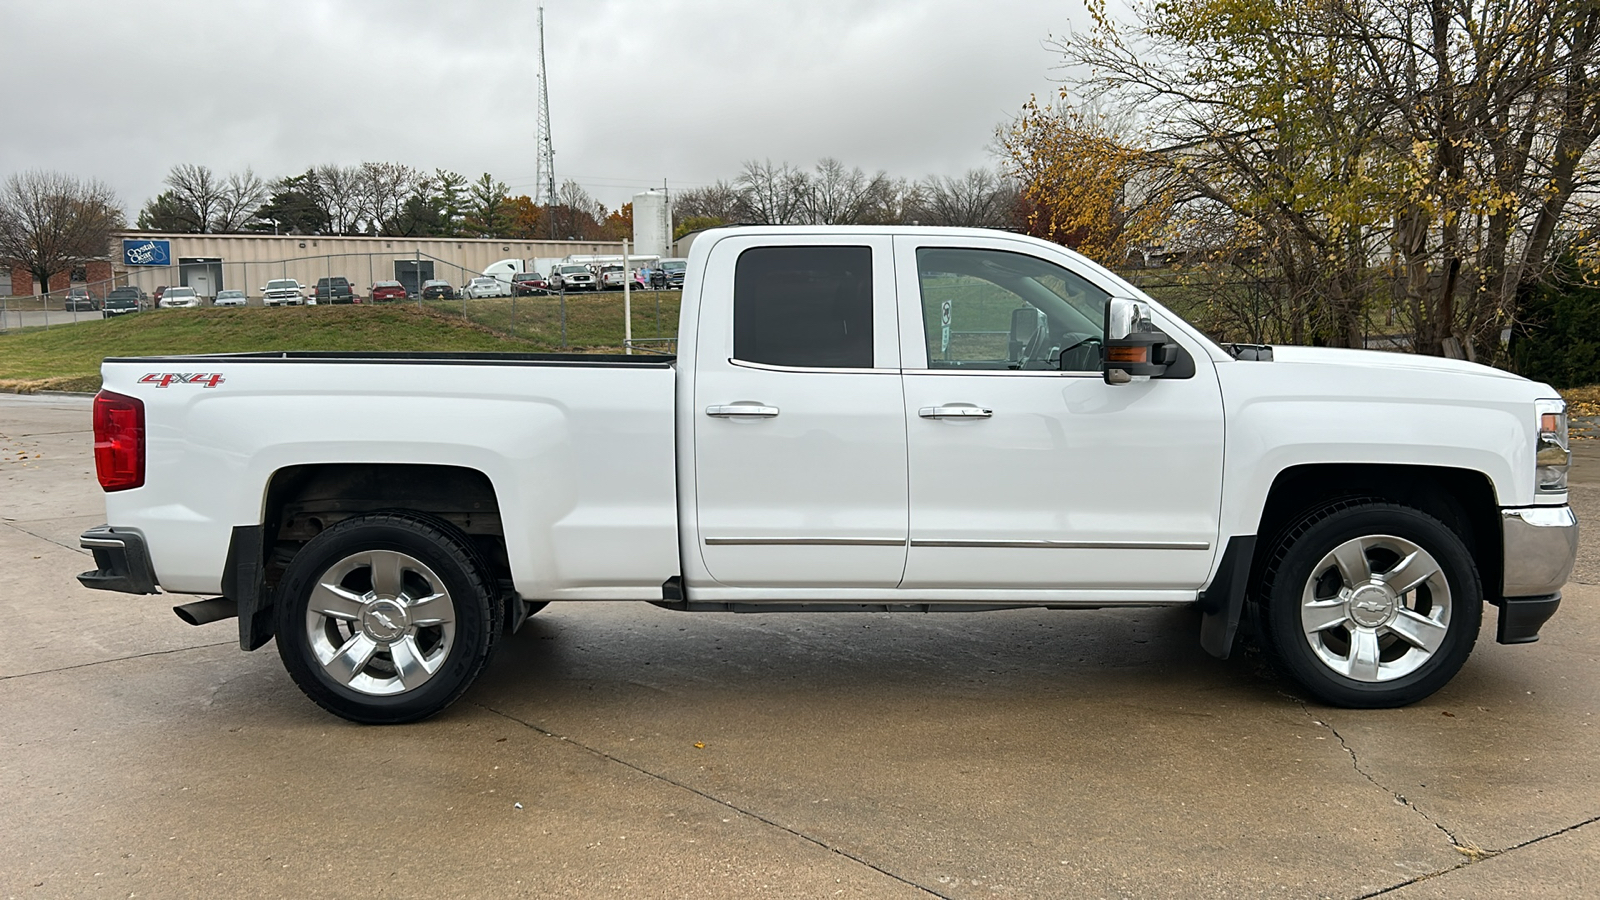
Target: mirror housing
(1133, 346)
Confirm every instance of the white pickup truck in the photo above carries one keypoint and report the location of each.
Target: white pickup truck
(863, 418)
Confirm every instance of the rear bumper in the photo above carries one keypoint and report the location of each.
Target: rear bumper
(122, 562)
(1541, 545)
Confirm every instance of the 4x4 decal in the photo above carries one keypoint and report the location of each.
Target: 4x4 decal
(162, 379)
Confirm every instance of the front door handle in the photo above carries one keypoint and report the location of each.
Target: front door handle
(742, 411)
(955, 411)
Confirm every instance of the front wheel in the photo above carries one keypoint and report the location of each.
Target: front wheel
(1371, 604)
(384, 619)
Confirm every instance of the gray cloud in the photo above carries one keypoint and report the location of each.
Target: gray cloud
(682, 90)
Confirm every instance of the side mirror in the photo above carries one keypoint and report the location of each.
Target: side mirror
(1133, 347)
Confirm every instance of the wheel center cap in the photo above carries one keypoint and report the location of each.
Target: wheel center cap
(1371, 605)
(384, 620)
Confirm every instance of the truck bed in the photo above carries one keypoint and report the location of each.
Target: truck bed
(579, 449)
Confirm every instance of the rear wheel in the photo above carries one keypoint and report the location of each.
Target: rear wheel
(384, 619)
(1371, 604)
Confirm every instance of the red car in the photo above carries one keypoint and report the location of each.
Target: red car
(388, 290)
(527, 283)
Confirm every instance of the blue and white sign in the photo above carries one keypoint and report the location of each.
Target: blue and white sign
(146, 253)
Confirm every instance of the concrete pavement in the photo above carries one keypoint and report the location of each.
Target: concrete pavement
(1024, 754)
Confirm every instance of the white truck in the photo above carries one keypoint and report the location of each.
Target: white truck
(890, 419)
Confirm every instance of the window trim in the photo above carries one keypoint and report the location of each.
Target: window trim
(816, 370)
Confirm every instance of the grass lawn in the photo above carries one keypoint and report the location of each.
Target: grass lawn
(593, 320)
(68, 358)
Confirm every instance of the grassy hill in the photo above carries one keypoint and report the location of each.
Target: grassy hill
(68, 357)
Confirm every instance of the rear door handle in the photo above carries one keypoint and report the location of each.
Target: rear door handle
(742, 411)
(955, 411)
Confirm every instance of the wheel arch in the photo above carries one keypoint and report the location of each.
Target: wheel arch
(1463, 499)
(301, 501)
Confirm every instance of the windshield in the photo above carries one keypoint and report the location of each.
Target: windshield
(674, 266)
(574, 270)
(283, 285)
(222, 294)
(179, 292)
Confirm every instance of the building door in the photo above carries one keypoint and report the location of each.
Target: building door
(412, 273)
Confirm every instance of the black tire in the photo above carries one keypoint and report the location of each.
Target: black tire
(1379, 655)
(436, 571)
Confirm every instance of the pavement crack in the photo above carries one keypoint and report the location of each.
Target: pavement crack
(719, 801)
(1467, 862)
(46, 539)
(1472, 852)
(101, 662)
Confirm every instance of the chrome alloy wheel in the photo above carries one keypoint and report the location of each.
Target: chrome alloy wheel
(380, 622)
(1375, 608)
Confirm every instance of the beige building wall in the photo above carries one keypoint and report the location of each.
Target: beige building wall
(248, 261)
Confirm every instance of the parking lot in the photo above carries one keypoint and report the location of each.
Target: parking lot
(624, 750)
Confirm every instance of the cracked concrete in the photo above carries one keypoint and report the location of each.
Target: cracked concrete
(1029, 754)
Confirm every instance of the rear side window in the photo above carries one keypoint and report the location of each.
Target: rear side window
(804, 306)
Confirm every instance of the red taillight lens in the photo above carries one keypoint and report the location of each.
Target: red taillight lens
(118, 441)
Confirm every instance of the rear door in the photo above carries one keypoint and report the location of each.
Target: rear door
(799, 433)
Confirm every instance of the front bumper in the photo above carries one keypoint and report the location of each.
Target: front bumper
(122, 563)
(1540, 546)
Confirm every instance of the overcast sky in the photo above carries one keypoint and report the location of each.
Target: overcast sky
(680, 90)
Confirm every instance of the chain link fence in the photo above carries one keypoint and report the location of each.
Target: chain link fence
(585, 320)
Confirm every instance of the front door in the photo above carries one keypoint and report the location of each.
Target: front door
(1027, 471)
(799, 441)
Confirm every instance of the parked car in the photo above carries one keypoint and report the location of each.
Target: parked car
(388, 290)
(526, 283)
(611, 278)
(438, 289)
(78, 299)
(160, 291)
(334, 289)
(824, 442)
(673, 269)
(486, 286)
(124, 300)
(230, 298)
(282, 292)
(572, 277)
(179, 297)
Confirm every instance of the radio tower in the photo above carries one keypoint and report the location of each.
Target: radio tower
(545, 179)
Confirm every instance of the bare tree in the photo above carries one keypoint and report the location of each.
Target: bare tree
(383, 189)
(242, 194)
(343, 196)
(773, 195)
(200, 194)
(720, 201)
(50, 222)
(978, 199)
(837, 196)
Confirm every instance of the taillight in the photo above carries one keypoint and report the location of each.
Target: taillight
(118, 441)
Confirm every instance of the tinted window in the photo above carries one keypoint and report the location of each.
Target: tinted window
(988, 309)
(804, 306)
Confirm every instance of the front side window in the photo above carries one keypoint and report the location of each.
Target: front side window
(804, 306)
(994, 310)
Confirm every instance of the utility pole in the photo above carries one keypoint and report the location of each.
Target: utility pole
(545, 179)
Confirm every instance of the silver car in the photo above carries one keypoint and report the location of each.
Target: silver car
(180, 298)
(229, 298)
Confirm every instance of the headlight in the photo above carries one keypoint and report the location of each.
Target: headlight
(1550, 453)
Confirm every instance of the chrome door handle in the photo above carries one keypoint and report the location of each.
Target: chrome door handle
(742, 411)
(955, 411)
